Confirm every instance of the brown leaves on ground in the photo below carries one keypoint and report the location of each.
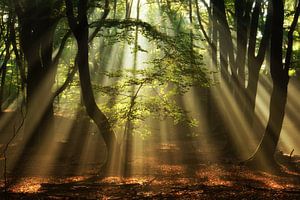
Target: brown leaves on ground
(165, 171)
(209, 182)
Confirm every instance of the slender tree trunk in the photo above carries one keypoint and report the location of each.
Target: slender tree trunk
(3, 72)
(129, 125)
(242, 25)
(267, 147)
(255, 61)
(80, 30)
(264, 154)
(18, 55)
(212, 111)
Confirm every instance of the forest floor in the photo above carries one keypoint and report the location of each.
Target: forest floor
(163, 181)
(169, 170)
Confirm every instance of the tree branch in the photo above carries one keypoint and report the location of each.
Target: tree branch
(266, 37)
(70, 15)
(289, 50)
(103, 17)
(61, 48)
(68, 80)
(201, 26)
(123, 24)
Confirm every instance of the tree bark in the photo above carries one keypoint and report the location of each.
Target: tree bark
(36, 38)
(36, 33)
(255, 61)
(279, 72)
(79, 27)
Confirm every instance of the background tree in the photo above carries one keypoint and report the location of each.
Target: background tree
(37, 22)
(280, 76)
(80, 29)
(134, 74)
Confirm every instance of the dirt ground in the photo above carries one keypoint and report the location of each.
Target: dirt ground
(162, 180)
(210, 182)
(172, 170)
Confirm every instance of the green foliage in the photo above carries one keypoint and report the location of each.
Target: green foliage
(137, 95)
(292, 72)
(141, 95)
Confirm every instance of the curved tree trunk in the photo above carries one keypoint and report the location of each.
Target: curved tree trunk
(255, 61)
(264, 155)
(80, 30)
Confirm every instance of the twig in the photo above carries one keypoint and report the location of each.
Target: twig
(150, 181)
(4, 153)
(291, 153)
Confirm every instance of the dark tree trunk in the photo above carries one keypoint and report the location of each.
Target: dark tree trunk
(214, 27)
(255, 61)
(266, 149)
(36, 32)
(3, 73)
(242, 25)
(80, 30)
(18, 55)
(10, 22)
(36, 38)
(264, 154)
(212, 111)
(229, 79)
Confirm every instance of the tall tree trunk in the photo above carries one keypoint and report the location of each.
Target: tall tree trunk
(242, 25)
(255, 61)
(279, 72)
(36, 33)
(36, 39)
(79, 26)
(129, 125)
(213, 112)
(3, 69)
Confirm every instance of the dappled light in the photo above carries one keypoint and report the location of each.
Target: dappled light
(149, 99)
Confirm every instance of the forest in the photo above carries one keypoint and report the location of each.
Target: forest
(149, 99)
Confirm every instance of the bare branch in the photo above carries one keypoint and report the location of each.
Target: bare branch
(289, 50)
(61, 48)
(201, 26)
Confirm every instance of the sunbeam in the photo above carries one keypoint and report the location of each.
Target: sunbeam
(149, 99)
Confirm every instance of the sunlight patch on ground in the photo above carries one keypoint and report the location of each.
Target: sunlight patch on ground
(134, 180)
(28, 185)
(268, 180)
(213, 175)
(34, 184)
(209, 179)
